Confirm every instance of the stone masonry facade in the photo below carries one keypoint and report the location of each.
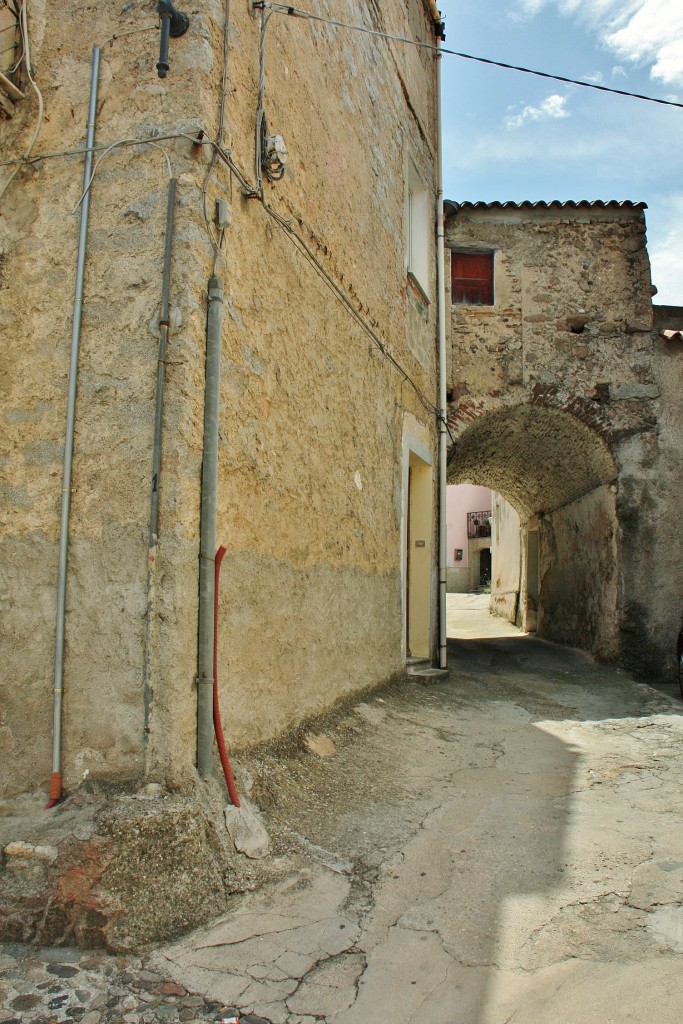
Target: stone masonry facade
(317, 426)
(557, 402)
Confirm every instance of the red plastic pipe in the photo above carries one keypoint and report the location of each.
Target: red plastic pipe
(55, 790)
(227, 771)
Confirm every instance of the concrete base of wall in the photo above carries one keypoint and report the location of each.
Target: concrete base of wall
(505, 605)
(457, 579)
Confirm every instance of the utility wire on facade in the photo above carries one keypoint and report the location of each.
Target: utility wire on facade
(218, 151)
(26, 56)
(218, 243)
(250, 192)
(294, 12)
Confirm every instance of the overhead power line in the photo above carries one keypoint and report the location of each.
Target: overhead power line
(295, 12)
(569, 81)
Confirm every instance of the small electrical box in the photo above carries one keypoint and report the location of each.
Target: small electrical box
(223, 215)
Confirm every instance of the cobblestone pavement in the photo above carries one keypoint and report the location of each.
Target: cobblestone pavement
(57, 986)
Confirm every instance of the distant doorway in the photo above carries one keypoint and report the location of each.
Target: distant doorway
(418, 557)
(484, 568)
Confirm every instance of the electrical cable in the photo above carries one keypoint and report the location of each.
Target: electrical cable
(310, 256)
(99, 147)
(304, 249)
(261, 123)
(41, 107)
(224, 81)
(249, 191)
(218, 244)
(108, 150)
(569, 81)
(308, 16)
(18, 43)
(130, 32)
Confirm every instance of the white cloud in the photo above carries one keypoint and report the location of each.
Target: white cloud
(639, 31)
(599, 11)
(529, 8)
(653, 34)
(666, 255)
(595, 78)
(551, 108)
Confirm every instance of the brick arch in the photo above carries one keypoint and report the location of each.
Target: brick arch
(592, 411)
(540, 454)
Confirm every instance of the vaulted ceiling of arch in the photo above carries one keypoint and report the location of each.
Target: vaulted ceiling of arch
(538, 459)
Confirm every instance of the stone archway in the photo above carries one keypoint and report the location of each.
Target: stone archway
(561, 476)
(539, 458)
(566, 325)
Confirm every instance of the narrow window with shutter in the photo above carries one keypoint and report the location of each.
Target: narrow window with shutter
(472, 278)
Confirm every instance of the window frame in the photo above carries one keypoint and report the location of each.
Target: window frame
(418, 229)
(485, 285)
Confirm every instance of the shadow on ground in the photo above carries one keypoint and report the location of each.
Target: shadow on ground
(499, 844)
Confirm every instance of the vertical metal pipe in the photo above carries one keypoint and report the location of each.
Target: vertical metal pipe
(56, 777)
(441, 312)
(208, 530)
(164, 330)
(164, 327)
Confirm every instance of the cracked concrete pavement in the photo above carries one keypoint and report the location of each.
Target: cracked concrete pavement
(500, 844)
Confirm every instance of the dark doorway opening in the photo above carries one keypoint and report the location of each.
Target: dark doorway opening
(485, 567)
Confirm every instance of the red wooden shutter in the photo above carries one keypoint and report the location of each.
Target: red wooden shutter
(472, 278)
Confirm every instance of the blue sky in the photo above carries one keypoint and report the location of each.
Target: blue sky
(509, 136)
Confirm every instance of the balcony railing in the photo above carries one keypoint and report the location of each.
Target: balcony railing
(478, 524)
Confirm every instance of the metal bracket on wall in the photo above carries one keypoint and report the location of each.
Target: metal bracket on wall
(173, 24)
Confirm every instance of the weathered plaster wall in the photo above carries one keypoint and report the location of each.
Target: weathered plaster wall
(505, 551)
(579, 575)
(556, 395)
(650, 513)
(310, 487)
(459, 501)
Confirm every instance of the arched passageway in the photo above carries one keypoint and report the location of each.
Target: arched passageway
(551, 313)
(560, 476)
(539, 459)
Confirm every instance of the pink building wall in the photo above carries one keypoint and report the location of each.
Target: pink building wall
(461, 499)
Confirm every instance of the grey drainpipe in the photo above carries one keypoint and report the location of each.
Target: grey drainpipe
(207, 552)
(164, 329)
(56, 776)
(441, 313)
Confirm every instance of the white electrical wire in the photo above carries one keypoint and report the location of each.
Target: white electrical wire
(116, 145)
(218, 244)
(439, 51)
(99, 147)
(41, 106)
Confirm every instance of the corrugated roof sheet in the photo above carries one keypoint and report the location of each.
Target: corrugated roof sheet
(672, 335)
(553, 204)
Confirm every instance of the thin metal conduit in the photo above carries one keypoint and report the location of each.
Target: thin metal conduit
(164, 331)
(56, 776)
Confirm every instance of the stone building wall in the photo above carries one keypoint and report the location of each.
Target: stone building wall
(557, 403)
(660, 573)
(505, 550)
(311, 500)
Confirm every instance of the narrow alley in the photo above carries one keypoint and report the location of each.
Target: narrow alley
(499, 844)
